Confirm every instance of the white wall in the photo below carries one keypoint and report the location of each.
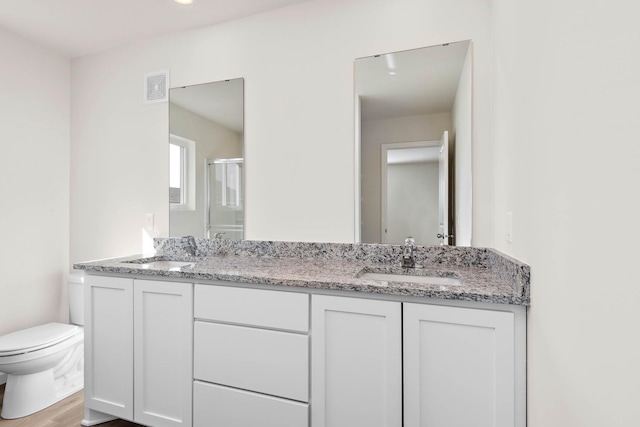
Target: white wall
(374, 134)
(299, 117)
(566, 98)
(34, 183)
(461, 118)
(212, 141)
(119, 157)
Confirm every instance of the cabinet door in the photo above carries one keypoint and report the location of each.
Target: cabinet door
(163, 348)
(109, 345)
(458, 367)
(356, 372)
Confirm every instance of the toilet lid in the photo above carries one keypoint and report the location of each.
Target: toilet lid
(35, 338)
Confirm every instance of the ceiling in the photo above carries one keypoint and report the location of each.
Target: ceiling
(411, 82)
(81, 27)
(219, 102)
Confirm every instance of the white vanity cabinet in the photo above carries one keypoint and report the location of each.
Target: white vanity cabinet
(138, 350)
(459, 367)
(434, 365)
(251, 358)
(168, 354)
(356, 373)
(108, 346)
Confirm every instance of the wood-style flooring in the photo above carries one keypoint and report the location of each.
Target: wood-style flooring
(66, 413)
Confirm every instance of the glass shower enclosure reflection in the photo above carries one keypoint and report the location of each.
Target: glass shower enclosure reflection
(225, 199)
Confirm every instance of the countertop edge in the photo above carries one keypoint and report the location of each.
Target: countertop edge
(496, 292)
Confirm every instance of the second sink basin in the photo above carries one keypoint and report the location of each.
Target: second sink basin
(430, 280)
(170, 265)
(160, 263)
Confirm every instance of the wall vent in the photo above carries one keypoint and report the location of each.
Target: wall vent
(156, 87)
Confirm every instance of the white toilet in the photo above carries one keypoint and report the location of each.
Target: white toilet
(44, 364)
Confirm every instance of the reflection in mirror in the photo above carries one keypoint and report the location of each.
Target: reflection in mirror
(225, 200)
(206, 160)
(413, 134)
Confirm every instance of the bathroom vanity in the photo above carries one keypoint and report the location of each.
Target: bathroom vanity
(291, 334)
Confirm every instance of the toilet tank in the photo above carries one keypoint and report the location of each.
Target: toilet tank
(75, 286)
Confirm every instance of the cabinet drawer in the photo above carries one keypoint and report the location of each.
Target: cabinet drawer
(256, 307)
(270, 362)
(222, 406)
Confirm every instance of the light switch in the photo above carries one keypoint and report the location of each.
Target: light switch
(148, 221)
(509, 227)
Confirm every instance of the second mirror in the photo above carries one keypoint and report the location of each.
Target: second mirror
(414, 133)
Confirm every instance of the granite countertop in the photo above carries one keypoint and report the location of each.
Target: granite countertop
(485, 275)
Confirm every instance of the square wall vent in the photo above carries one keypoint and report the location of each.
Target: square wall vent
(156, 87)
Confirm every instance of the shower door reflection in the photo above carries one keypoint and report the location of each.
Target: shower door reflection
(225, 199)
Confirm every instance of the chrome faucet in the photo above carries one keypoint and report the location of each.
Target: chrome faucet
(409, 253)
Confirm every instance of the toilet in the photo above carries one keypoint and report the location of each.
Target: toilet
(44, 364)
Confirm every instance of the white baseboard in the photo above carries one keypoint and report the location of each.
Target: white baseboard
(92, 418)
(3, 378)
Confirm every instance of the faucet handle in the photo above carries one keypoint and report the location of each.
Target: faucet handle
(408, 256)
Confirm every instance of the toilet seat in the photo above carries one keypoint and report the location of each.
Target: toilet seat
(36, 338)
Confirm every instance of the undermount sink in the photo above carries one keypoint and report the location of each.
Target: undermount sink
(160, 264)
(429, 280)
(171, 265)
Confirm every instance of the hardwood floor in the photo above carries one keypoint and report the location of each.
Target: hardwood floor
(66, 413)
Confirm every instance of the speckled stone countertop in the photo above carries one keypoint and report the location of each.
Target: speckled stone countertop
(485, 274)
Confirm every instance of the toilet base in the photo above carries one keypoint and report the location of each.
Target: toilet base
(37, 387)
(27, 394)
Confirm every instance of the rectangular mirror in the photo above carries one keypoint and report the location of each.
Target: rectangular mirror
(206, 160)
(413, 138)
